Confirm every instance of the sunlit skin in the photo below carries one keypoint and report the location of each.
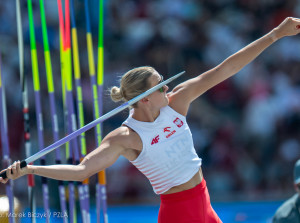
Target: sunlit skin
(125, 142)
(149, 107)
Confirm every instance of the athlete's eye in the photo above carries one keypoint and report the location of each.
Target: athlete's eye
(162, 88)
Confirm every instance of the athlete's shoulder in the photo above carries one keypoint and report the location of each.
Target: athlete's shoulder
(121, 135)
(177, 103)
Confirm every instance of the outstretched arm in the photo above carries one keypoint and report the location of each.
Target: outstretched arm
(99, 159)
(186, 92)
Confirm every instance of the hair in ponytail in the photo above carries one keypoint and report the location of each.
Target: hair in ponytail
(132, 84)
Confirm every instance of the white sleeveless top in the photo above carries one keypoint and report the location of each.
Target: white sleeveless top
(168, 157)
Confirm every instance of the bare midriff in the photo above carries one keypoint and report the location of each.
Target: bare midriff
(196, 179)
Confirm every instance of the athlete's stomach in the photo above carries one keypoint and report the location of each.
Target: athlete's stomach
(196, 179)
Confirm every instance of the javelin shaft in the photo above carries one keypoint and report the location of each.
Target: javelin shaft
(61, 22)
(30, 177)
(70, 184)
(4, 131)
(83, 188)
(84, 203)
(100, 64)
(36, 85)
(101, 175)
(49, 75)
(70, 109)
(51, 91)
(5, 146)
(68, 76)
(92, 124)
(63, 79)
(101, 186)
(77, 76)
(98, 137)
(92, 72)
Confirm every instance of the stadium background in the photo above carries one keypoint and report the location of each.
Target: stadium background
(246, 129)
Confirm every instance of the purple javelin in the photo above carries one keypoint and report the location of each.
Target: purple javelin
(92, 124)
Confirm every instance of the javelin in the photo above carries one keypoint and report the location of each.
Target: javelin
(38, 108)
(83, 188)
(68, 81)
(5, 145)
(92, 124)
(101, 186)
(101, 175)
(51, 91)
(30, 177)
(71, 119)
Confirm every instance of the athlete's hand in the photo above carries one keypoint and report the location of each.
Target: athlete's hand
(13, 172)
(289, 27)
(4, 181)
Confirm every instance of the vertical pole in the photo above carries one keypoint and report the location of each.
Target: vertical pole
(100, 187)
(84, 188)
(65, 68)
(39, 117)
(23, 79)
(5, 145)
(100, 79)
(54, 120)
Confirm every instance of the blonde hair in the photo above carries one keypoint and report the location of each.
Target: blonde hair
(132, 84)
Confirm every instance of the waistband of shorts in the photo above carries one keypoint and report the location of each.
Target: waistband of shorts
(186, 194)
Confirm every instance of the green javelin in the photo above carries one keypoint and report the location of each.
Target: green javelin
(34, 63)
(51, 91)
(36, 86)
(100, 187)
(100, 70)
(77, 76)
(100, 65)
(100, 75)
(69, 99)
(80, 115)
(93, 76)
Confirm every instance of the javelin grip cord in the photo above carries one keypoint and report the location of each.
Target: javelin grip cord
(92, 124)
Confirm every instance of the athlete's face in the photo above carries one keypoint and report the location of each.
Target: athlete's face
(158, 98)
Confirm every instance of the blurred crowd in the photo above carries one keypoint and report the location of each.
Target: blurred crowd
(246, 129)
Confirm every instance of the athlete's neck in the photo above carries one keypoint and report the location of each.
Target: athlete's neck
(145, 115)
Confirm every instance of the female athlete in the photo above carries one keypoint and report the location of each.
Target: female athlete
(156, 138)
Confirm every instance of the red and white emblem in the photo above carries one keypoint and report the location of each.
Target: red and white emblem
(178, 122)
